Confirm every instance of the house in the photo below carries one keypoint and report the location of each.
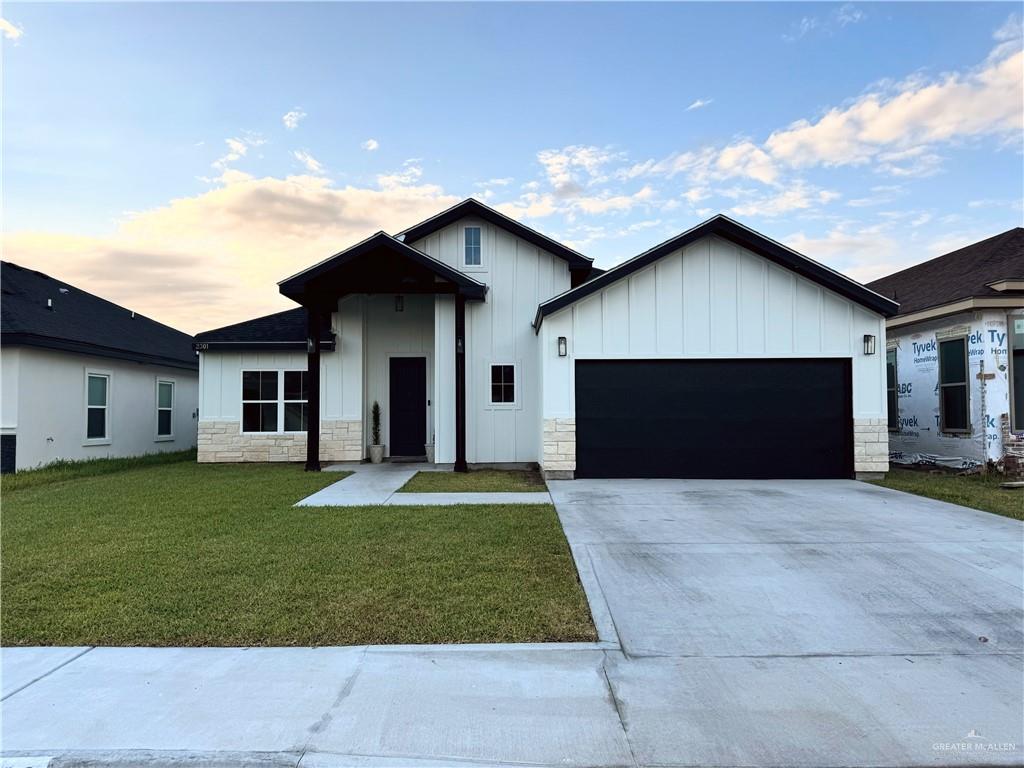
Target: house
(82, 378)
(955, 357)
(719, 353)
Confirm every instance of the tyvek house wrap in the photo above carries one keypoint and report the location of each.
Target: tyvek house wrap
(919, 439)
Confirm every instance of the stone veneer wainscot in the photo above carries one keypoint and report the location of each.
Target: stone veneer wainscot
(559, 458)
(223, 441)
(870, 448)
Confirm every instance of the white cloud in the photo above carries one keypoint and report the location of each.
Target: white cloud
(190, 262)
(795, 197)
(502, 182)
(841, 17)
(862, 253)
(312, 164)
(237, 149)
(572, 168)
(408, 176)
(371, 145)
(10, 30)
(849, 14)
(292, 119)
(911, 116)
(747, 160)
(699, 104)
(800, 29)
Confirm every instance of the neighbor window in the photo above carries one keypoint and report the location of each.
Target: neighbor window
(472, 242)
(892, 387)
(1016, 329)
(954, 413)
(274, 401)
(259, 401)
(296, 406)
(503, 384)
(97, 400)
(164, 408)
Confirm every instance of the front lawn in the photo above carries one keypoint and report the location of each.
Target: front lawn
(190, 554)
(476, 481)
(976, 491)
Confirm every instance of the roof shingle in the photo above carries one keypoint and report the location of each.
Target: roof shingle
(81, 322)
(962, 274)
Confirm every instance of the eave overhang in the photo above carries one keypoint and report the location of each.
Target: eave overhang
(378, 264)
(19, 339)
(476, 209)
(733, 231)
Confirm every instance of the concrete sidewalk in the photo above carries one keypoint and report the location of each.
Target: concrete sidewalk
(378, 484)
(357, 706)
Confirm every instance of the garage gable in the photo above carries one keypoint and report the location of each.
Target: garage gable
(725, 229)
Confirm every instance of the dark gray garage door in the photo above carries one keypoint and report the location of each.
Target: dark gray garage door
(714, 418)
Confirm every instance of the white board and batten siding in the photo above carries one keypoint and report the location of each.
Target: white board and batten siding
(713, 299)
(519, 276)
(341, 388)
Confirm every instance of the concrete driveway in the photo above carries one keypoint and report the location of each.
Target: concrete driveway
(803, 622)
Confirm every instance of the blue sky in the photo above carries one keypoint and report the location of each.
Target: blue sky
(182, 158)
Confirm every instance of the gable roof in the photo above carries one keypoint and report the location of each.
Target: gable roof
(962, 274)
(281, 330)
(724, 227)
(474, 208)
(81, 322)
(296, 286)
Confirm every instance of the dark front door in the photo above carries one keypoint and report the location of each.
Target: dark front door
(714, 418)
(408, 404)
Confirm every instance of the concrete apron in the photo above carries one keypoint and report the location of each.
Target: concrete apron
(765, 625)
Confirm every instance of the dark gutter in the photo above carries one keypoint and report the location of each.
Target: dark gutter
(326, 345)
(18, 339)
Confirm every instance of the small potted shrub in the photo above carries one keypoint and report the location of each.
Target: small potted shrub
(376, 449)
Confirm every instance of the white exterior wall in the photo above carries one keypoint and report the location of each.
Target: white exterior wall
(43, 396)
(519, 276)
(715, 299)
(917, 372)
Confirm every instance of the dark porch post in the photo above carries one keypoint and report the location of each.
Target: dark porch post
(313, 389)
(460, 383)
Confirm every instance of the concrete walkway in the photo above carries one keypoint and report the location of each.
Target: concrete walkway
(378, 484)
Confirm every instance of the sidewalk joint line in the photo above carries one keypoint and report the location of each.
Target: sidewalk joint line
(47, 674)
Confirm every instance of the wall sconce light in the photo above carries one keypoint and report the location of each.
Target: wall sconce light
(399, 304)
(563, 347)
(459, 346)
(869, 344)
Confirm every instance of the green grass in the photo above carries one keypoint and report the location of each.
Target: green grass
(59, 471)
(976, 491)
(476, 481)
(201, 554)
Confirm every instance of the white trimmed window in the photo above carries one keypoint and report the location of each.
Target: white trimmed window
(296, 401)
(473, 249)
(275, 401)
(503, 384)
(164, 409)
(97, 406)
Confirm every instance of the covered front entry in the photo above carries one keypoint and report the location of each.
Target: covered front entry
(382, 265)
(714, 418)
